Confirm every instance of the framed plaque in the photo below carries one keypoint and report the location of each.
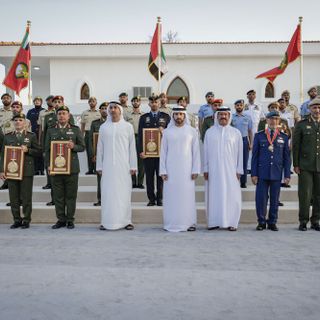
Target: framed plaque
(60, 158)
(151, 142)
(13, 162)
(95, 143)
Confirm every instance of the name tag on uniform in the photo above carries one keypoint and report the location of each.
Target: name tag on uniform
(147, 119)
(70, 132)
(308, 127)
(161, 120)
(26, 140)
(280, 140)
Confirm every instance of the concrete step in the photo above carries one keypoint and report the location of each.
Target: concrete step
(89, 194)
(87, 213)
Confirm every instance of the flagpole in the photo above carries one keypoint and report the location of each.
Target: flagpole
(159, 53)
(29, 78)
(301, 62)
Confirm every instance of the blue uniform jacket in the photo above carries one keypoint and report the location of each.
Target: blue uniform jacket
(269, 165)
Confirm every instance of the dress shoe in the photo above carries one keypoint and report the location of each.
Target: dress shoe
(97, 204)
(280, 204)
(4, 187)
(51, 203)
(134, 186)
(89, 172)
(273, 227)
(315, 226)
(261, 226)
(70, 225)
(16, 225)
(151, 204)
(140, 186)
(58, 225)
(41, 173)
(159, 203)
(25, 225)
(8, 204)
(303, 227)
(243, 186)
(283, 185)
(47, 186)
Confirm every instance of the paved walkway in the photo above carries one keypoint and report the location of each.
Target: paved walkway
(152, 274)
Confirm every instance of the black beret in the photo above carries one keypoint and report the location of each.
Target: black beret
(239, 101)
(103, 104)
(153, 98)
(123, 94)
(210, 93)
(136, 98)
(251, 91)
(63, 108)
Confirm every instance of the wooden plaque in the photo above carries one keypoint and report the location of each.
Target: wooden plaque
(60, 158)
(151, 142)
(13, 162)
(95, 143)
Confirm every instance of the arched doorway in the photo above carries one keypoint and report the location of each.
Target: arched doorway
(269, 90)
(84, 92)
(177, 89)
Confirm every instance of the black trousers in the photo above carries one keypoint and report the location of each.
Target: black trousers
(151, 169)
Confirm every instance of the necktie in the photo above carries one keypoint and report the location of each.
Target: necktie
(272, 132)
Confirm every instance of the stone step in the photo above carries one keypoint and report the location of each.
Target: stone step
(86, 213)
(89, 194)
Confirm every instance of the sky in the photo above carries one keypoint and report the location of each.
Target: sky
(134, 21)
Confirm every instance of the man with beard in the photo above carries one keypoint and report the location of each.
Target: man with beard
(304, 109)
(95, 127)
(205, 110)
(86, 119)
(179, 167)
(133, 117)
(123, 99)
(163, 104)
(33, 116)
(290, 108)
(183, 102)
(223, 166)
(243, 123)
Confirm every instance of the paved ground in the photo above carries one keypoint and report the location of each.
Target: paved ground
(152, 274)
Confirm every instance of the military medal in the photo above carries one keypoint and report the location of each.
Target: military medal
(151, 145)
(271, 146)
(13, 167)
(60, 161)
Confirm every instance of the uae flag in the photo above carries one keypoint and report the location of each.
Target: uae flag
(292, 53)
(19, 73)
(156, 50)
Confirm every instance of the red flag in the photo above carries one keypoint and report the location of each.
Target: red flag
(292, 53)
(19, 73)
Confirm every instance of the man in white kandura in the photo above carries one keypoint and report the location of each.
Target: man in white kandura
(116, 161)
(222, 170)
(179, 167)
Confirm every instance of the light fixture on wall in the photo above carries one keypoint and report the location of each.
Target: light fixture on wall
(36, 68)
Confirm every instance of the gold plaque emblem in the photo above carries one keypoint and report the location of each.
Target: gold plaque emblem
(60, 161)
(13, 167)
(151, 146)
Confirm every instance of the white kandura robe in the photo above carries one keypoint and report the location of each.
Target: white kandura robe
(223, 158)
(116, 156)
(179, 158)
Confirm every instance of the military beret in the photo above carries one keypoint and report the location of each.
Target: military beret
(315, 101)
(285, 92)
(92, 99)
(138, 98)
(6, 95)
(273, 114)
(19, 115)
(123, 94)
(274, 104)
(281, 99)
(210, 93)
(63, 108)
(58, 98)
(312, 88)
(49, 97)
(153, 98)
(103, 104)
(16, 103)
(181, 99)
(218, 101)
(239, 101)
(37, 98)
(223, 108)
(251, 91)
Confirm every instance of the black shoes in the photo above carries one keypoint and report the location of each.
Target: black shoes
(151, 203)
(280, 204)
(16, 225)
(243, 186)
(97, 204)
(51, 203)
(261, 226)
(89, 172)
(159, 203)
(70, 225)
(315, 226)
(4, 186)
(25, 225)
(273, 227)
(140, 186)
(47, 186)
(58, 225)
(283, 185)
(303, 227)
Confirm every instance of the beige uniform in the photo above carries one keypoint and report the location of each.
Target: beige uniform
(294, 111)
(5, 118)
(133, 118)
(88, 116)
(127, 111)
(166, 110)
(192, 119)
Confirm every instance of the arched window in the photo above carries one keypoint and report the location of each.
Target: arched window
(84, 92)
(269, 92)
(177, 89)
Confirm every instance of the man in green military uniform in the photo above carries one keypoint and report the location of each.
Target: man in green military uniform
(87, 117)
(21, 189)
(123, 99)
(95, 127)
(65, 187)
(134, 117)
(306, 163)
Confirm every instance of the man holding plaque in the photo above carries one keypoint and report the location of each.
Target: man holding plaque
(270, 160)
(18, 151)
(63, 142)
(93, 139)
(149, 147)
